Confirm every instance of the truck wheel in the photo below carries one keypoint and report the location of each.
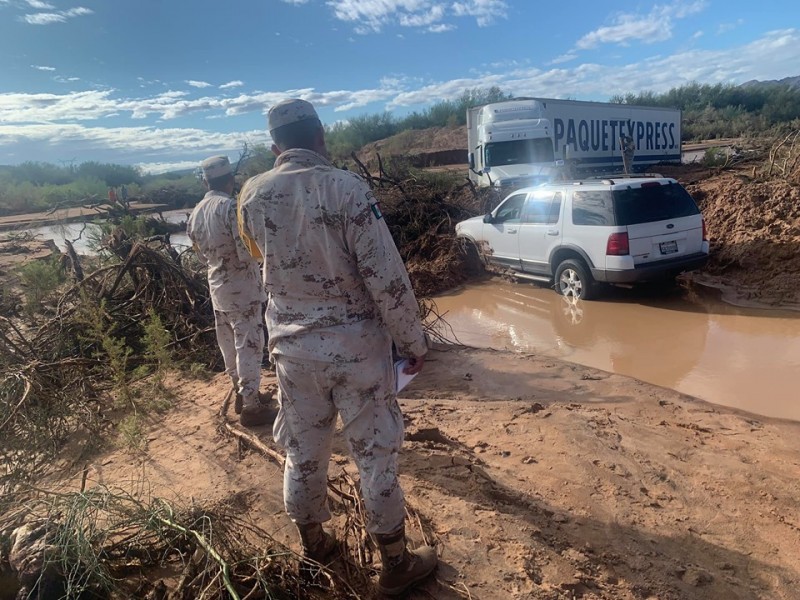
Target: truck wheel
(573, 279)
(474, 260)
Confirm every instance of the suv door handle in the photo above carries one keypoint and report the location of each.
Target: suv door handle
(511, 231)
(552, 232)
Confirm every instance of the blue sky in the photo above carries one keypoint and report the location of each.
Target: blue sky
(164, 83)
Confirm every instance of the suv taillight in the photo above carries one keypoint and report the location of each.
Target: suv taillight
(705, 231)
(618, 244)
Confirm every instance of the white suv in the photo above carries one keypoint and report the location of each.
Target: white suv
(616, 230)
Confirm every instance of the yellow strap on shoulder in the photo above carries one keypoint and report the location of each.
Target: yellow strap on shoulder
(248, 241)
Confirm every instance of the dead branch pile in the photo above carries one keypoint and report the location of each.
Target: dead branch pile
(103, 543)
(784, 157)
(421, 212)
(55, 377)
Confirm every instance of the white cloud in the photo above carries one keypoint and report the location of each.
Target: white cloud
(39, 5)
(298, 2)
(371, 16)
(231, 84)
(422, 19)
(441, 28)
(47, 18)
(485, 12)
(44, 18)
(567, 57)
(155, 168)
(42, 68)
(33, 124)
(773, 56)
(726, 27)
(151, 142)
(656, 26)
(198, 84)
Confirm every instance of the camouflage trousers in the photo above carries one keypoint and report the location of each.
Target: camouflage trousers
(240, 336)
(311, 394)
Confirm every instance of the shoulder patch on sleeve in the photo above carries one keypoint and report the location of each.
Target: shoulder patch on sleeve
(374, 205)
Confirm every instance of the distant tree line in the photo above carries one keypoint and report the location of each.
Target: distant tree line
(37, 186)
(344, 138)
(709, 112)
(720, 111)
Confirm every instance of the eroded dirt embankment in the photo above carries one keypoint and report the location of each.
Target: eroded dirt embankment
(754, 228)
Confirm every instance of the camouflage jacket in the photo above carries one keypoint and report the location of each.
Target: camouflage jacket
(233, 275)
(337, 286)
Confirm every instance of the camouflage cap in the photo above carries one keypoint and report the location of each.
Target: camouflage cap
(290, 111)
(216, 166)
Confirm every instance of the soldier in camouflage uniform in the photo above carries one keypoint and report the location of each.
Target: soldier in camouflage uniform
(338, 294)
(234, 281)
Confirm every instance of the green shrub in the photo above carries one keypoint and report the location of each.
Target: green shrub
(40, 280)
(715, 157)
(131, 434)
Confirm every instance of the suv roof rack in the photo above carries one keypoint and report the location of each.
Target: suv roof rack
(611, 179)
(626, 176)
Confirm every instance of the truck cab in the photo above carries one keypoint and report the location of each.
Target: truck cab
(510, 145)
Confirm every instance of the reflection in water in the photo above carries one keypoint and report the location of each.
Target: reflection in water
(743, 358)
(84, 236)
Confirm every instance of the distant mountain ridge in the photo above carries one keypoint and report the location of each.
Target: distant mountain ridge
(792, 82)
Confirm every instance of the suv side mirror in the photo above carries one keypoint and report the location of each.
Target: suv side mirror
(488, 218)
(472, 161)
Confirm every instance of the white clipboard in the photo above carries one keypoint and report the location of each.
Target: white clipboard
(401, 379)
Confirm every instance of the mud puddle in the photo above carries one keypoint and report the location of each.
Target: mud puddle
(685, 340)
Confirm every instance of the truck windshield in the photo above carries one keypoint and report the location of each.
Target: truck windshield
(516, 152)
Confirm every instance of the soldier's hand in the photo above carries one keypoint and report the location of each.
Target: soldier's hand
(414, 365)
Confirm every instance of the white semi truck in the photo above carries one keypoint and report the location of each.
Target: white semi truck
(531, 140)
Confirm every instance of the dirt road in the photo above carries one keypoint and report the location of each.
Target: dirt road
(539, 480)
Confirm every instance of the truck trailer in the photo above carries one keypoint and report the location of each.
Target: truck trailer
(532, 140)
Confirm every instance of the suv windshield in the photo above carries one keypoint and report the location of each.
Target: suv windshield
(653, 203)
(517, 152)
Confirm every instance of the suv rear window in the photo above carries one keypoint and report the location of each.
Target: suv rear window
(592, 208)
(653, 203)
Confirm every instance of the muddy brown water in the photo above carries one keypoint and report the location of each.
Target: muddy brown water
(81, 234)
(687, 340)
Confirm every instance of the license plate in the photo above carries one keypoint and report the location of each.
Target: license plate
(668, 247)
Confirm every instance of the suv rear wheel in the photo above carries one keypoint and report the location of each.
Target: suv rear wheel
(573, 279)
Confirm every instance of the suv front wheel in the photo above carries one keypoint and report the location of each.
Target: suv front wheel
(573, 279)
